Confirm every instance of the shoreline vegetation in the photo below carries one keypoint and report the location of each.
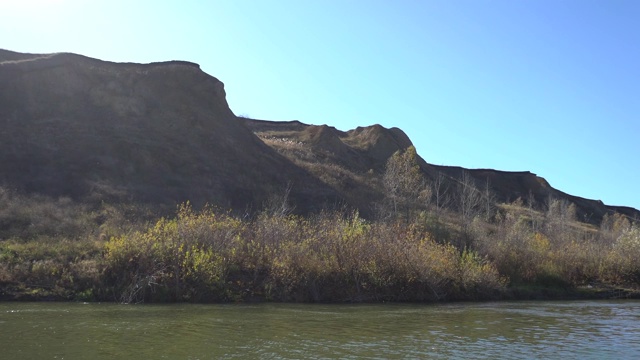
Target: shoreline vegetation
(213, 256)
(440, 241)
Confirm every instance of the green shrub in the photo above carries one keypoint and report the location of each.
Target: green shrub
(187, 258)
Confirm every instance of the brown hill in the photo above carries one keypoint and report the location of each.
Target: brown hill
(353, 163)
(160, 133)
(163, 133)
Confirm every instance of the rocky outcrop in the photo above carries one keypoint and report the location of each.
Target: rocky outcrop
(378, 142)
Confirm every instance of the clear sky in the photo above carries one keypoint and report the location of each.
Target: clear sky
(549, 86)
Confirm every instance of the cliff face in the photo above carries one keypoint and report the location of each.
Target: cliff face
(160, 132)
(163, 133)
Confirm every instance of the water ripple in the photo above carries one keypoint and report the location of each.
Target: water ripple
(526, 330)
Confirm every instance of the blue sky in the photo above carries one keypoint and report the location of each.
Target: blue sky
(549, 86)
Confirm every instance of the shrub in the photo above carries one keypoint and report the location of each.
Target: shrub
(622, 262)
(330, 257)
(187, 258)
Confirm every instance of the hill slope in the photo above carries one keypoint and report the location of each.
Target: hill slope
(353, 163)
(163, 133)
(160, 133)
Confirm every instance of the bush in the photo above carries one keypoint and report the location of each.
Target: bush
(183, 259)
(623, 263)
(214, 257)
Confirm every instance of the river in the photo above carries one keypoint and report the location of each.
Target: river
(508, 330)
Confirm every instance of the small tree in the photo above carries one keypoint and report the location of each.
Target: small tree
(469, 204)
(403, 182)
(531, 207)
(442, 198)
(558, 218)
(280, 204)
(469, 199)
(489, 201)
(613, 226)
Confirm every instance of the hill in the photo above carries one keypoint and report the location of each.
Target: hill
(159, 133)
(353, 163)
(163, 133)
(95, 156)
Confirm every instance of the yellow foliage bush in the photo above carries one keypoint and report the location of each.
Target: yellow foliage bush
(207, 256)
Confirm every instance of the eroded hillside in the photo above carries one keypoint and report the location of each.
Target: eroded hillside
(353, 162)
(157, 133)
(95, 156)
(163, 133)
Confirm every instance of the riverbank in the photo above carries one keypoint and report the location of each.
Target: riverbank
(587, 292)
(214, 257)
(26, 293)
